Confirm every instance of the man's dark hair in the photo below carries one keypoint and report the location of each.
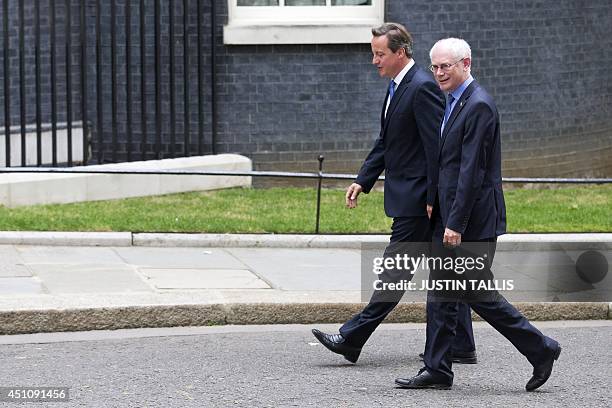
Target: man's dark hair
(397, 35)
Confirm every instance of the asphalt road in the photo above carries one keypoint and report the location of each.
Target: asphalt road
(283, 366)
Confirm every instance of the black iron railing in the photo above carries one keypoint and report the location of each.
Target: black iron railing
(92, 64)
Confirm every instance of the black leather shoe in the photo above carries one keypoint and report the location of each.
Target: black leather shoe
(460, 357)
(423, 380)
(542, 373)
(338, 344)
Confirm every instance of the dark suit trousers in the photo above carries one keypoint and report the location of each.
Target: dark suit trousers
(360, 327)
(442, 324)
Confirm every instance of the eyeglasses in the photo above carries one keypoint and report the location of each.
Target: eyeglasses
(444, 67)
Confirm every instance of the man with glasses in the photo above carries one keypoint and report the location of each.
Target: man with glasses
(406, 149)
(469, 214)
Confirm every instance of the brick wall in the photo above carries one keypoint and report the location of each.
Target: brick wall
(540, 60)
(545, 62)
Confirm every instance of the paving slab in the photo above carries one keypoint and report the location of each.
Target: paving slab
(66, 255)
(8, 270)
(89, 278)
(304, 268)
(15, 286)
(203, 278)
(179, 258)
(11, 263)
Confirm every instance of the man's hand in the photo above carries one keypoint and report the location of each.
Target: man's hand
(351, 195)
(429, 211)
(451, 238)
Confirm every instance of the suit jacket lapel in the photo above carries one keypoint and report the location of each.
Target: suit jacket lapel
(397, 96)
(458, 107)
(382, 112)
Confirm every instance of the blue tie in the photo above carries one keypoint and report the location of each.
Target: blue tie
(391, 89)
(447, 111)
(449, 102)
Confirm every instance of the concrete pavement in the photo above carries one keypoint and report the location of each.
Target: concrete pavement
(85, 281)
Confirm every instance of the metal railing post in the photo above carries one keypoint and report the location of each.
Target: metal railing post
(319, 182)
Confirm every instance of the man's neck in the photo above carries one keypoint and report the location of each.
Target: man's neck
(409, 63)
(462, 85)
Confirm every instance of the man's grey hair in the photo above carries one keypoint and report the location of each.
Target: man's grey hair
(397, 35)
(457, 46)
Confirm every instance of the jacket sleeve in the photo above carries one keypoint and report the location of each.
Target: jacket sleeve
(373, 166)
(429, 111)
(479, 132)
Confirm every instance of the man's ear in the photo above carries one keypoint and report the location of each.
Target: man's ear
(467, 63)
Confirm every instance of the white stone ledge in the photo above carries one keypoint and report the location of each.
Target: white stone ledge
(59, 238)
(46, 148)
(18, 189)
(235, 34)
(543, 242)
(509, 242)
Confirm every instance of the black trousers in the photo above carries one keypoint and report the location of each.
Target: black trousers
(360, 327)
(444, 314)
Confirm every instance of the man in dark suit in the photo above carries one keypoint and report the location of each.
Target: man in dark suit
(469, 214)
(406, 150)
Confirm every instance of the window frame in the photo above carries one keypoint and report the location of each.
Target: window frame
(301, 24)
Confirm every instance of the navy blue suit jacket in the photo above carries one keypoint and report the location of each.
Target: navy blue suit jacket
(470, 195)
(407, 147)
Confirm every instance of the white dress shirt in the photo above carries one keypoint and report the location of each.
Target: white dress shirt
(398, 79)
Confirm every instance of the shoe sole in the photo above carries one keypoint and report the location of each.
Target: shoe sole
(460, 360)
(425, 387)
(350, 357)
(465, 360)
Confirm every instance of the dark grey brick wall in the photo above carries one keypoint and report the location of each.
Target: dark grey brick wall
(540, 60)
(283, 105)
(546, 63)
